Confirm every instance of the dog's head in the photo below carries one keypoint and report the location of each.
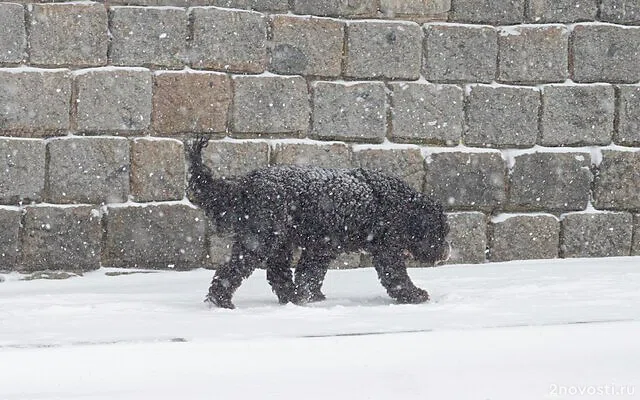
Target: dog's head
(426, 229)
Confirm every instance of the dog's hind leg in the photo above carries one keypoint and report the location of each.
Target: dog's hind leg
(228, 277)
(309, 276)
(279, 274)
(392, 273)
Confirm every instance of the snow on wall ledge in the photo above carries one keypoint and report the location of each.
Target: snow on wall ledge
(522, 117)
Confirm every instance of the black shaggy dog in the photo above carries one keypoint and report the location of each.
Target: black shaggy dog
(325, 212)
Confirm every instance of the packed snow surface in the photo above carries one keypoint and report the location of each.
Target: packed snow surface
(517, 330)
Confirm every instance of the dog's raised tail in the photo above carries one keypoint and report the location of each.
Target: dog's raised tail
(211, 194)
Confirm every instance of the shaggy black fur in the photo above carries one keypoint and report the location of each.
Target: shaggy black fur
(325, 212)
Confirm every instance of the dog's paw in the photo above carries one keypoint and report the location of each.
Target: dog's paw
(412, 296)
(308, 297)
(219, 302)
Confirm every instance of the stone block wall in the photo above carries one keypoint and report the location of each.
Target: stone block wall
(522, 117)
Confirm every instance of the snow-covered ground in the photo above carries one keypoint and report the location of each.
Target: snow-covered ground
(517, 330)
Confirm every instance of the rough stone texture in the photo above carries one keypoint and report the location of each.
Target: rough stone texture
(635, 244)
(148, 36)
(467, 237)
(22, 165)
(466, 181)
(190, 102)
(413, 8)
(524, 237)
(426, 113)
(10, 220)
(349, 111)
(13, 38)
(68, 34)
(487, 11)
(460, 53)
(550, 182)
(502, 116)
(406, 164)
(606, 53)
(65, 238)
(620, 11)
(113, 100)
(88, 170)
(157, 169)
(336, 8)
(562, 10)
(574, 115)
(230, 40)
(617, 182)
(306, 46)
(220, 249)
(383, 50)
(533, 54)
(270, 104)
(628, 128)
(259, 5)
(596, 234)
(229, 159)
(327, 155)
(24, 94)
(154, 236)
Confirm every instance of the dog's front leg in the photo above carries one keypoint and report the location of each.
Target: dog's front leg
(392, 273)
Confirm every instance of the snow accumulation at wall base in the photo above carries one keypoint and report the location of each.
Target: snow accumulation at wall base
(524, 329)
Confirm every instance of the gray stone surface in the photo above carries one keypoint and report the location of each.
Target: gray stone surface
(336, 8)
(390, 50)
(620, 11)
(413, 8)
(88, 170)
(190, 102)
(524, 237)
(574, 115)
(322, 155)
(628, 127)
(68, 34)
(157, 169)
(459, 53)
(466, 181)
(533, 54)
(272, 104)
(307, 46)
(487, 11)
(502, 116)
(22, 162)
(230, 159)
(148, 36)
(24, 94)
(113, 100)
(13, 37)
(635, 244)
(219, 249)
(596, 234)
(550, 182)
(346, 261)
(426, 113)
(10, 220)
(154, 236)
(606, 53)
(349, 111)
(66, 238)
(467, 237)
(617, 182)
(229, 40)
(406, 164)
(562, 10)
